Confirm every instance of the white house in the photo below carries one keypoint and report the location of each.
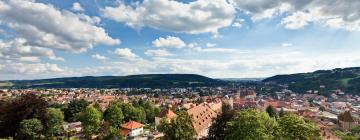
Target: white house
(132, 129)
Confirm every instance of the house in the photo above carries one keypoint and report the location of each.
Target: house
(132, 129)
(164, 115)
(201, 116)
(346, 121)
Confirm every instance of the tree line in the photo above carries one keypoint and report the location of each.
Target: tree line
(30, 117)
(248, 124)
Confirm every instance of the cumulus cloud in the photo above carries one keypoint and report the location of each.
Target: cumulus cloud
(216, 50)
(10, 71)
(77, 7)
(245, 65)
(33, 68)
(168, 42)
(17, 50)
(342, 14)
(238, 23)
(99, 57)
(200, 16)
(45, 26)
(286, 44)
(158, 53)
(210, 45)
(125, 53)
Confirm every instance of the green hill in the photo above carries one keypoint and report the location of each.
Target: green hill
(346, 79)
(133, 81)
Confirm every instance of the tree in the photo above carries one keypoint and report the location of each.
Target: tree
(133, 113)
(150, 111)
(12, 112)
(355, 131)
(281, 112)
(251, 124)
(179, 128)
(113, 134)
(293, 127)
(322, 108)
(218, 129)
(114, 115)
(30, 129)
(54, 121)
(74, 108)
(271, 111)
(91, 121)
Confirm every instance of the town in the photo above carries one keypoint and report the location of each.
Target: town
(335, 116)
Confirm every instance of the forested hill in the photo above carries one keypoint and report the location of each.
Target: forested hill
(133, 81)
(325, 81)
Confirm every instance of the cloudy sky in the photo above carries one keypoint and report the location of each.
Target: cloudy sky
(215, 38)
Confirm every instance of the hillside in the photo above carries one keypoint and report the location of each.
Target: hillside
(134, 81)
(325, 81)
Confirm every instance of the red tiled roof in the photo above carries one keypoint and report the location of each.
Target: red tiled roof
(167, 113)
(201, 115)
(132, 125)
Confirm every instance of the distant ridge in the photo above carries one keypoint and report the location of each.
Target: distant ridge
(324, 81)
(130, 81)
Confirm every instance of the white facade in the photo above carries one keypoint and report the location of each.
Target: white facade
(136, 132)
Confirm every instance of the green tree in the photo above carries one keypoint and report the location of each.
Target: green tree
(355, 131)
(133, 113)
(114, 115)
(13, 111)
(282, 112)
(322, 108)
(113, 134)
(30, 129)
(179, 128)
(54, 121)
(349, 138)
(150, 111)
(251, 124)
(271, 111)
(292, 127)
(91, 121)
(218, 129)
(74, 108)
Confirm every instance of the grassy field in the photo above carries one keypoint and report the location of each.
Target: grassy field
(6, 84)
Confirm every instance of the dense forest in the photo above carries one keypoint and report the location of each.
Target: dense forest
(324, 81)
(131, 81)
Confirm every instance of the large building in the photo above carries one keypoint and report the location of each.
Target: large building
(346, 121)
(165, 115)
(202, 117)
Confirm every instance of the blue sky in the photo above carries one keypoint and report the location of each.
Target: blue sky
(218, 38)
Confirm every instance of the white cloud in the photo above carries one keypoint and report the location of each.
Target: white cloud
(210, 45)
(125, 53)
(217, 50)
(10, 71)
(297, 20)
(200, 16)
(286, 44)
(45, 26)
(158, 53)
(17, 50)
(77, 7)
(25, 68)
(99, 57)
(238, 23)
(168, 42)
(245, 65)
(342, 14)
